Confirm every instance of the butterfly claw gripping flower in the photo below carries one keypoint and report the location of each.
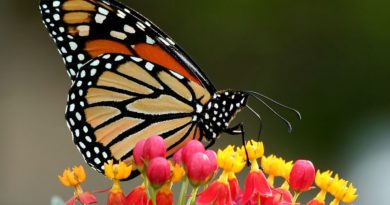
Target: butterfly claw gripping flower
(74, 178)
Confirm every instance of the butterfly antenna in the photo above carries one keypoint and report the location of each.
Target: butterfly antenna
(276, 102)
(288, 123)
(260, 121)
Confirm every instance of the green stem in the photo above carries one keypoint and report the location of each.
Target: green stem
(147, 187)
(296, 195)
(183, 190)
(154, 196)
(193, 196)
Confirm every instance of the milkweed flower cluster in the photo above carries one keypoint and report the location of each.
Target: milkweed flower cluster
(212, 178)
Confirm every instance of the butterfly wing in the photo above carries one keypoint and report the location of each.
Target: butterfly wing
(117, 100)
(85, 29)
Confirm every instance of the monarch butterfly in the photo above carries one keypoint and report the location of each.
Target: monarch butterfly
(130, 81)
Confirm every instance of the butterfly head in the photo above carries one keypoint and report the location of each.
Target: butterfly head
(220, 110)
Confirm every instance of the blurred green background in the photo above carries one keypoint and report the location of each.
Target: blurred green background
(329, 59)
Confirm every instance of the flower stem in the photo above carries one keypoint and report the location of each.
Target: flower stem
(296, 195)
(193, 196)
(183, 190)
(271, 180)
(154, 196)
(146, 183)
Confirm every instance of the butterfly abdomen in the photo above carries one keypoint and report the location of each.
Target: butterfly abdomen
(220, 111)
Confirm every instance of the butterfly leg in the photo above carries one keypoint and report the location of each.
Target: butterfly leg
(239, 130)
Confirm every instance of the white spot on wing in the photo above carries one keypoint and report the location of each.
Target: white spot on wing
(97, 160)
(103, 11)
(100, 18)
(88, 138)
(56, 17)
(93, 71)
(199, 108)
(164, 41)
(128, 29)
(170, 41)
(118, 35)
(121, 14)
(136, 59)
(78, 116)
(56, 3)
(73, 45)
(81, 57)
(177, 75)
(118, 58)
(95, 62)
(83, 30)
(150, 40)
(140, 26)
(149, 66)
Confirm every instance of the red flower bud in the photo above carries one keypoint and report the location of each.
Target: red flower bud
(199, 168)
(191, 148)
(158, 171)
(302, 175)
(213, 159)
(138, 152)
(177, 157)
(154, 147)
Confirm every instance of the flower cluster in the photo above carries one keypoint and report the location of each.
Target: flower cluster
(212, 177)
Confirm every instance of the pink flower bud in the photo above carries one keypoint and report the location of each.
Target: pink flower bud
(138, 152)
(158, 171)
(191, 148)
(199, 168)
(302, 175)
(154, 147)
(177, 157)
(213, 159)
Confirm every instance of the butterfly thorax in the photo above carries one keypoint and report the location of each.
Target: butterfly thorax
(220, 111)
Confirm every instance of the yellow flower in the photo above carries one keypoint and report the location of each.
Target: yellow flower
(272, 165)
(255, 150)
(286, 169)
(276, 167)
(350, 194)
(177, 172)
(229, 160)
(340, 189)
(117, 171)
(73, 177)
(324, 179)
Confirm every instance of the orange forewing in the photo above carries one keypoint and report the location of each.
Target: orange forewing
(156, 54)
(100, 46)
